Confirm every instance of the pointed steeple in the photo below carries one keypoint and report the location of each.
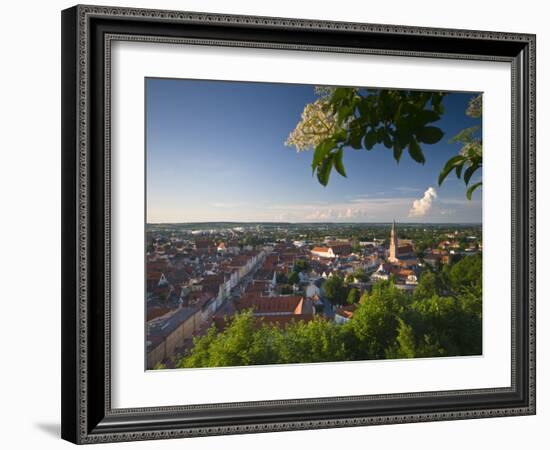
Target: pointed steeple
(394, 243)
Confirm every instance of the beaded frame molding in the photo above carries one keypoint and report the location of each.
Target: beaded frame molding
(87, 35)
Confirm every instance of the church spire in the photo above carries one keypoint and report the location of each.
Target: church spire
(394, 243)
(393, 236)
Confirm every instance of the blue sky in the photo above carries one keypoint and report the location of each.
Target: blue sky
(215, 152)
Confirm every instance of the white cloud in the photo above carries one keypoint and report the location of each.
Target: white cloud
(339, 213)
(422, 206)
(353, 209)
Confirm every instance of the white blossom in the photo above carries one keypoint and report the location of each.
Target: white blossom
(318, 122)
(475, 107)
(471, 149)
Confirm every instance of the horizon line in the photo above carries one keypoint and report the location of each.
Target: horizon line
(307, 223)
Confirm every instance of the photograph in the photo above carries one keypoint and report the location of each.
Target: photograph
(297, 223)
(278, 221)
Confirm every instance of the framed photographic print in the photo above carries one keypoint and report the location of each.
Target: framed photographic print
(282, 224)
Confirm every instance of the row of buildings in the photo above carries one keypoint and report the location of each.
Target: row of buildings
(207, 285)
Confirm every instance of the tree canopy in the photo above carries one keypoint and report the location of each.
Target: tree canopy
(335, 290)
(353, 296)
(442, 318)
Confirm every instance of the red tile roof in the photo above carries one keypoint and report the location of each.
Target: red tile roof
(288, 304)
(320, 249)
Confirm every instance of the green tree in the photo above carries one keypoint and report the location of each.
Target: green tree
(314, 341)
(428, 285)
(353, 296)
(301, 265)
(444, 325)
(200, 355)
(334, 290)
(245, 342)
(471, 300)
(242, 343)
(405, 343)
(293, 278)
(375, 321)
(466, 273)
(361, 275)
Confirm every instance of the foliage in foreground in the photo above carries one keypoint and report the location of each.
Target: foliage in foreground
(441, 318)
(399, 120)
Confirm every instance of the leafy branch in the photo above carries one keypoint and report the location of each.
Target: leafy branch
(398, 119)
(361, 119)
(470, 157)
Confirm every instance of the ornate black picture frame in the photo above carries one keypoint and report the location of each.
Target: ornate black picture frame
(87, 34)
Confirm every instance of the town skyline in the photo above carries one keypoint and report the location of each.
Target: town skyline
(310, 223)
(289, 286)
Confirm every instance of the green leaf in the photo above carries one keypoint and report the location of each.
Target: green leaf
(339, 162)
(439, 109)
(416, 152)
(469, 172)
(429, 135)
(343, 113)
(340, 135)
(473, 151)
(355, 138)
(370, 140)
(323, 171)
(458, 170)
(403, 132)
(380, 133)
(397, 113)
(465, 135)
(386, 139)
(340, 94)
(436, 103)
(450, 165)
(397, 151)
(426, 116)
(471, 190)
(321, 151)
(363, 107)
(384, 100)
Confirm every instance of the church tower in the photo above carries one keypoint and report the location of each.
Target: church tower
(394, 243)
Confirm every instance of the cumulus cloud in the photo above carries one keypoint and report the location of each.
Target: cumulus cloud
(422, 206)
